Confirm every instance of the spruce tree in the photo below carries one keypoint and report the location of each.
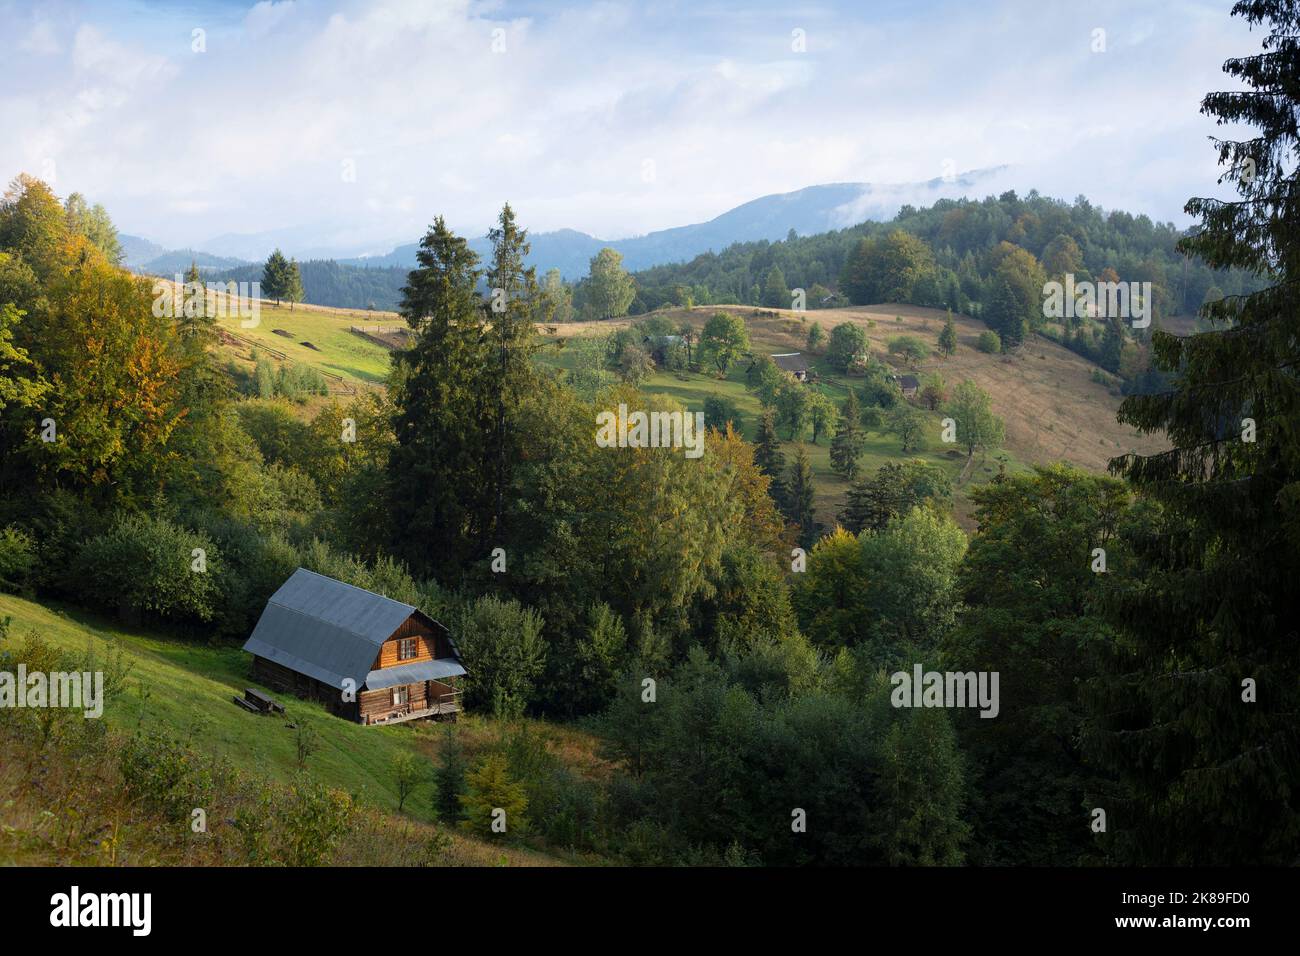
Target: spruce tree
(1198, 719)
(849, 442)
(776, 294)
(800, 498)
(948, 337)
(292, 289)
(768, 456)
(275, 276)
(1004, 316)
(513, 296)
(440, 472)
(449, 777)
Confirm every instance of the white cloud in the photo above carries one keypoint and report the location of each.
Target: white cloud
(250, 136)
(41, 39)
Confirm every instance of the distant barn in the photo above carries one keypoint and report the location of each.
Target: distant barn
(794, 363)
(909, 384)
(367, 658)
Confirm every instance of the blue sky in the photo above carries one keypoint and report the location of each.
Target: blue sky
(358, 122)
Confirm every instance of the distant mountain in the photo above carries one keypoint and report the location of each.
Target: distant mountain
(806, 211)
(358, 282)
(178, 260)
(136, 250)
(313, 241)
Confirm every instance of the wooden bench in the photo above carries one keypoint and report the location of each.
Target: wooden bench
(251, 708)
(260, 703)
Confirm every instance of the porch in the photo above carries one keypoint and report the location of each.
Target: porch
(433, 700)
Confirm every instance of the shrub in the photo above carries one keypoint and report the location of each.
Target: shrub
(313, 819)
(989, 342)
(562, 807)
(297, 382)
(17, 559)
(449, 777)
(264, 378)
(148, 565)
(718, 411)
(910, 347)
(504, 653)
(168, 777)
(491, 789)
(846, 343)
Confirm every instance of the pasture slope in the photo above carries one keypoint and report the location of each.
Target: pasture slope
(1053, 407)
(184, 689)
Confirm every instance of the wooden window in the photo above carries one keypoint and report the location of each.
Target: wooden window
(401, 695)
(407, 648)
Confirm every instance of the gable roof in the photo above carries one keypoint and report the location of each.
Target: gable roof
(791, 362)
(909, 381)
(327, 629)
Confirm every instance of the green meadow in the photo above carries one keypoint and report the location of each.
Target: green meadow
(187, 690)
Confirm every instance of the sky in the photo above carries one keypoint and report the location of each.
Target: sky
(356, 123)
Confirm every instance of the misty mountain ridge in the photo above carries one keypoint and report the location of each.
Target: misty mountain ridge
(814, 209)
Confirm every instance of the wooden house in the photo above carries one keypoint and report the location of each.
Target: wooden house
(367, 658)
(792, 363)
(909, 384)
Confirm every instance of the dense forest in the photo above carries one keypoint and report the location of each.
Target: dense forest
(326, 282)
(745, 689)
(961, 238)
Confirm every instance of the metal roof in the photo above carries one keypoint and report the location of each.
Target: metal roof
(791, 362)
(414, 673)
(327, 629)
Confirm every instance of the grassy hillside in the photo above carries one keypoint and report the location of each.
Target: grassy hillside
(185, 689)
(336, 349)
(1053, 408)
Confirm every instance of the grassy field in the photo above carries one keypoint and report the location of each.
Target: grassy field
(336, 349)
(314, 335)
(189, 689)
(1053, 407)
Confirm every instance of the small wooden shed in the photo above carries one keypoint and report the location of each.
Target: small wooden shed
(792, 363)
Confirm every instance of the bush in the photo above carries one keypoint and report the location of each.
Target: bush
(562, 807)
(504, 653)
(17, 559)
(911, 348)
(147, 565)
(490, 789)
(168, 777)
(313, 819)
(297, 382)
(989, 342)
(847, 342)
(718, 411)
(449, 777)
